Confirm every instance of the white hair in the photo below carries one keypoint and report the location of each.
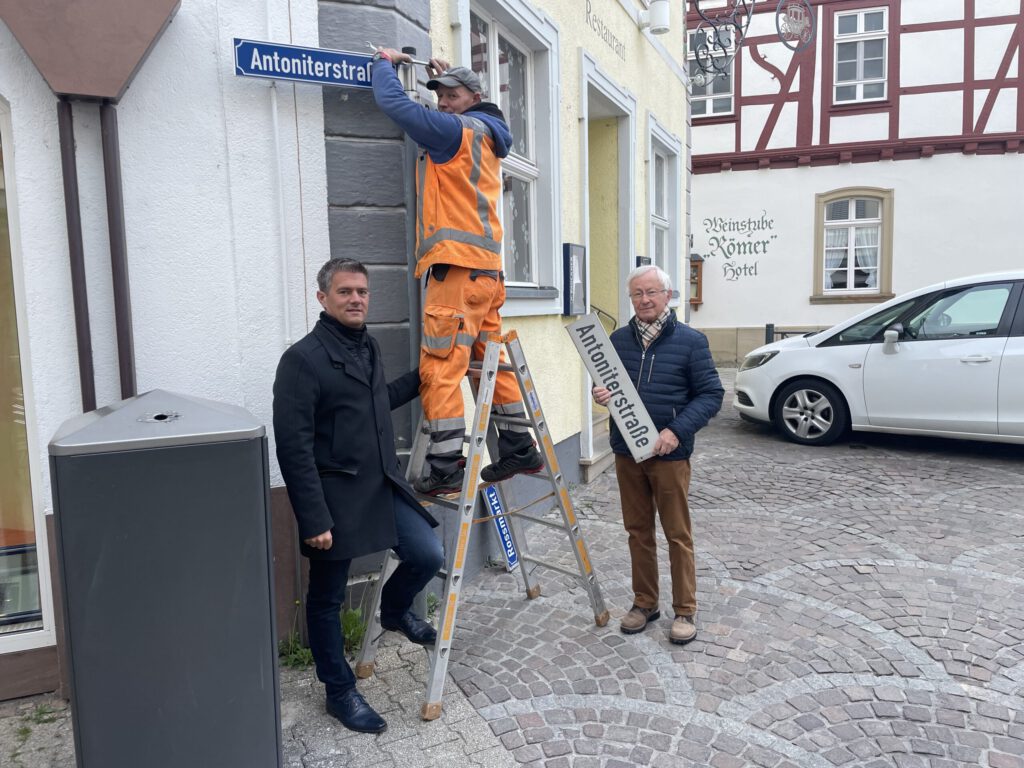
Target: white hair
(666, 281)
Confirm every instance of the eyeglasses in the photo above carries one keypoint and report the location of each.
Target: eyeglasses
(638, 295)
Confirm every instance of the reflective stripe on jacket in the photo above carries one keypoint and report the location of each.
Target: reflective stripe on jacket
(457, 204)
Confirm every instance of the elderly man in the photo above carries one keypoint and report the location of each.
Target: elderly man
(336, 448)
(671, 366)
(458, 246)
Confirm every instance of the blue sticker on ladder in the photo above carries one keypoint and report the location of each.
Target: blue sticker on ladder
(501, 524)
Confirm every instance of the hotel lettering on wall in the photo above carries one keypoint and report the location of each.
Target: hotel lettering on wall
(606, 369)
(739, 243)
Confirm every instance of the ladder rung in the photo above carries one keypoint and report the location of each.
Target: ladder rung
(438, 500)
(497, 418)
(552, 567)
(476, 366)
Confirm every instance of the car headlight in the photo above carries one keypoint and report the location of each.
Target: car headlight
(757, 360)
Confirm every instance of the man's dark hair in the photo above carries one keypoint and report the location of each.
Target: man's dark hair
(325, 276)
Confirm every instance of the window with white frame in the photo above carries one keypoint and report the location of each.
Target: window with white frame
(659, 207)
(853, 244)
(505, 68)
(712, 64)
(861, 39)
(664, 198)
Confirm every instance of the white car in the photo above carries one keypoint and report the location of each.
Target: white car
(947, 360)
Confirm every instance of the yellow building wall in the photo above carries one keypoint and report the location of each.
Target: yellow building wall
(637, 65)
(603, 187)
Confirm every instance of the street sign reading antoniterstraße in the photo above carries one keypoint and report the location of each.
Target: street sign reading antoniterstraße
(606, 369)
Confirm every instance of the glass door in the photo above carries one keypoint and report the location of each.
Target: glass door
(20, 605)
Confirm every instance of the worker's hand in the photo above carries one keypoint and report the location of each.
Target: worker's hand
(666, 442)
(395, 57)
(601, 395)
(435, 67)
(323, 541)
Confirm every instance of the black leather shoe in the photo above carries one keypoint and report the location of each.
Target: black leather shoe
(355, 714)
(414, 628)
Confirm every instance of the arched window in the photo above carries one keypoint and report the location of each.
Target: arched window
(853, 245)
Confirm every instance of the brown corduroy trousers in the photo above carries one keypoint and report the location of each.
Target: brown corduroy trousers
(662, 485)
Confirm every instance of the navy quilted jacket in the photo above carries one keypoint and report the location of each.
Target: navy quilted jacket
(676, 379)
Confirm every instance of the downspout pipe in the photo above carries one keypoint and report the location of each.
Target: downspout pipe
(76, 254)
(118, 250)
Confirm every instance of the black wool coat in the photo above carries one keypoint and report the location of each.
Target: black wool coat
(336, 445)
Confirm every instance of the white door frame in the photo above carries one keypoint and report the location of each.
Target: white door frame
(593, 77)
(46, 636)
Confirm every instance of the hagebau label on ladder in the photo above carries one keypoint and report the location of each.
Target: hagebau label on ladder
(501, 524)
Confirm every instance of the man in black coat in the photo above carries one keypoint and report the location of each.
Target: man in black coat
(336, 449)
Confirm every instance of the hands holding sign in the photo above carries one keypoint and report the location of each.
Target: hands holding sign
(667, 440)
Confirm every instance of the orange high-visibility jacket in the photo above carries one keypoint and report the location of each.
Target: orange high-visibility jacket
(457, 204)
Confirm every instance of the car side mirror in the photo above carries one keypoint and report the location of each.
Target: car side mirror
(892, 334)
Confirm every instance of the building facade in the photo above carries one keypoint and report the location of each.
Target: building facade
(235, 190)
(884, 156)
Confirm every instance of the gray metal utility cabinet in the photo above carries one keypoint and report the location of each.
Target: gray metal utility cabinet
(163, 537)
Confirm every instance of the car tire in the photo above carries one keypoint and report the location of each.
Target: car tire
(810, 412)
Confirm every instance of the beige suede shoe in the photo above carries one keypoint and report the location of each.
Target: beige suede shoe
(683, 630)
(637, 619)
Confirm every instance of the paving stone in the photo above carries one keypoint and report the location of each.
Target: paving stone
(878, 622)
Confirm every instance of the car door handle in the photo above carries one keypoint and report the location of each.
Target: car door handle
(976, 359)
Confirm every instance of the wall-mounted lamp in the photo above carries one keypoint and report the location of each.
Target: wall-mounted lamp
(656, 18)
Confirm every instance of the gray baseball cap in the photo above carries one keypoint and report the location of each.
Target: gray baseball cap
(455, 77)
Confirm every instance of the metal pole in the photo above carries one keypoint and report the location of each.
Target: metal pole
(769, 333)
(118, 249)
(76, 254)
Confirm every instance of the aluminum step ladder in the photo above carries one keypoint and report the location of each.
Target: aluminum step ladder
(484, 431)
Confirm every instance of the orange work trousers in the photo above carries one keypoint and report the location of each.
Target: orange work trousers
(460, 310)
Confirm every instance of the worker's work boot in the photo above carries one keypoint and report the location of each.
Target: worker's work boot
(437, 484)
(528, 462)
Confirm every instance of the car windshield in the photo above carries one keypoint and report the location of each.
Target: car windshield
(871, 327)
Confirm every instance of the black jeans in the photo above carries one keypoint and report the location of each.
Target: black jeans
(422, 556)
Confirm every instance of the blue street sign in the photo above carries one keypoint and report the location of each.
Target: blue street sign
(504, 534)
(303, 65)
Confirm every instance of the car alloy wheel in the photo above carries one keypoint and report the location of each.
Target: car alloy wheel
(810, 412)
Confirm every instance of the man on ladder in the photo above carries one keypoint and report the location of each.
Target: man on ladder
(458, 248)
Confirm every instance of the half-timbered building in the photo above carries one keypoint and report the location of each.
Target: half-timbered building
(884, 155)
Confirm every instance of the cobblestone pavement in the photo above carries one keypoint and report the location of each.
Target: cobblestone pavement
(860, 605)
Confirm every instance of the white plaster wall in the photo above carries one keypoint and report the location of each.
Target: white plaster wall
(990, 45)
(1003, 118)
(757, 80)
(784, 134)
(931, 114)
(200, 188)
(761, 24)
(937, 235)
(715, 138)
(989, 8)
(923, 11)
(752, 125)
(928, 58)
(847, 128)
